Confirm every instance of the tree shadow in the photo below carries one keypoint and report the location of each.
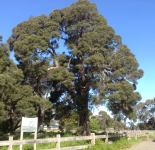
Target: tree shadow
(153, 140)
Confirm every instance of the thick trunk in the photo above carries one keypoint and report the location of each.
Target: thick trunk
(83, 113)
(84, 121)
(11, 125)
(41, 114)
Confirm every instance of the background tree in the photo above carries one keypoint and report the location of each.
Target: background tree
(33, 46)
(95, 67)
(103, 121)
(145, 112)
(95, 124)
(69, 123)
(16, 99)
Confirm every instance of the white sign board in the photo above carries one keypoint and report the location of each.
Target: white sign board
(29, 124)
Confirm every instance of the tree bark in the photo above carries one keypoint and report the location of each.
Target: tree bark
(83, 113)
(84, 122)
(40, 116)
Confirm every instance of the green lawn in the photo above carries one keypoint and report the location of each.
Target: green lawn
(116, 145)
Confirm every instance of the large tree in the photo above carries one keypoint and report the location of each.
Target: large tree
(33, 46)
(16, 99)
(95, 65)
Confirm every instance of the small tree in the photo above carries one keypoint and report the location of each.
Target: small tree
(95, 123)
(145, 112)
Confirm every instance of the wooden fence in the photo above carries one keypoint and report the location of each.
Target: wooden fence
(58, 139)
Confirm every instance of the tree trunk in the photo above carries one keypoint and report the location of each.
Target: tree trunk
(11, 125)
(40, 116)
(84, 122)
(83, 113)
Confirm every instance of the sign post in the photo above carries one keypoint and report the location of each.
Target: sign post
(29, 125)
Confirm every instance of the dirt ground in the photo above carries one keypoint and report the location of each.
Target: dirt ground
(146, 145)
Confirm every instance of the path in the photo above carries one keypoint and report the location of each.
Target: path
(146, 145)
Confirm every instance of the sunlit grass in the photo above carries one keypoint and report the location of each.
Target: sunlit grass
(116, 145)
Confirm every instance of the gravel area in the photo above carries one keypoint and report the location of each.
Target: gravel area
(146, 145)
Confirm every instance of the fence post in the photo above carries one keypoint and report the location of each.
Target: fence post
(21, 140)
(128, 135)
(106, 139)
(147, 135)
(58, 142)
(35, 138)
(93, 138)
(136, 136)
(10, 142)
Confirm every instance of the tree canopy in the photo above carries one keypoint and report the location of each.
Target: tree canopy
(95, 66)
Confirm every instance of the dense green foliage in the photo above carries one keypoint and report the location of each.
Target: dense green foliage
(95, 124)
(103, 121)
(95, 67)
(16, 99)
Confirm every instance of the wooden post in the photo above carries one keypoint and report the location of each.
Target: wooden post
(35, 137)
(21, 139)
(147, 135)
(128, 136)
(10, 142)
(58, 142)
(106, 140)
(136, 135)
(93, 138)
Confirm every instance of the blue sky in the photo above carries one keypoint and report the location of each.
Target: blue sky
(134, 20)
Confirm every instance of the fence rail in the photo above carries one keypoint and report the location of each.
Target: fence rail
(58, 139)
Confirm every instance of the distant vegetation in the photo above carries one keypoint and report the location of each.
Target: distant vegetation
(146, 115)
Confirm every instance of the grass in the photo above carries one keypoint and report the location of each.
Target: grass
(121, 144)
